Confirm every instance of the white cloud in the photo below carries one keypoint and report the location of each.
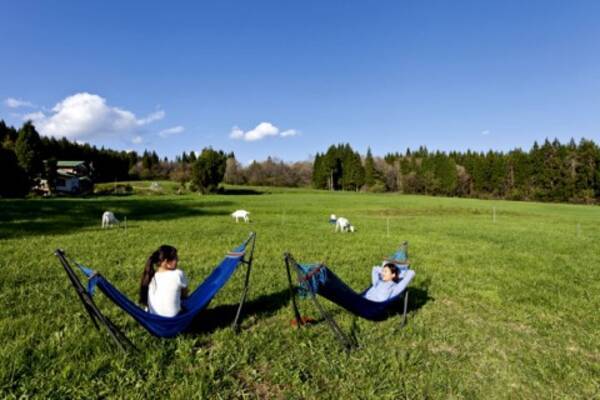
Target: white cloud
(486, 132)
(137, 139)
(85, 115)
(171, 131)
(16, 103)
(290, 132)
(261, 131)
(236, 133)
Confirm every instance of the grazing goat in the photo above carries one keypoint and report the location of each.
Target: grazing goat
(245, 215)
(109, 219)
(343, 225)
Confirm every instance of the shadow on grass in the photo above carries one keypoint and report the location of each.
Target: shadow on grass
(58, 216)
(222, 316)
(241, 191)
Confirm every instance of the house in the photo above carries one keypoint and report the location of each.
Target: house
(73, 177)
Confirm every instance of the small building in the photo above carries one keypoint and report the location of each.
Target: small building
(73, 177)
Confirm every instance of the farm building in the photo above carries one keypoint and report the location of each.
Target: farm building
(73, 177)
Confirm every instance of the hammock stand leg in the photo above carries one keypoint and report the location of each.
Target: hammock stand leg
(297, 315)
(405, 308)
(337, 331)
(91, 307)
(236, 321)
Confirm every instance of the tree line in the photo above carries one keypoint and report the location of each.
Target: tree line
(549, 172)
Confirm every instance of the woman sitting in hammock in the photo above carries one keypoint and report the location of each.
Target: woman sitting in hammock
(384, 283)
(161, 291)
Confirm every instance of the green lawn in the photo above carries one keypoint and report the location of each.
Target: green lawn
(504, 309)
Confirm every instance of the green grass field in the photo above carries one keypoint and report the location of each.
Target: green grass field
(504, 309)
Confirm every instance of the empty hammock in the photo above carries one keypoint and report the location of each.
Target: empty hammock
(158, 325)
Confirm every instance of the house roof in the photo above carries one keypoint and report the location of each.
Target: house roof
(69, 164)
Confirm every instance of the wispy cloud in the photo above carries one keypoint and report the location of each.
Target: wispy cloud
(261, 131)
(155, 116)
(485, 132)
(290, 132)
(11, 102)
(34, 116)
(171, 131)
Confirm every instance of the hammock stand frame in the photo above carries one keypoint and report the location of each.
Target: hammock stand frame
(115, 333)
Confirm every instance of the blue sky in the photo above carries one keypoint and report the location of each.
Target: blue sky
(287, 79)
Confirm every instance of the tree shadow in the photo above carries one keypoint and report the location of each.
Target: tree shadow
(241, 191)
(223, 316)
(56, 216)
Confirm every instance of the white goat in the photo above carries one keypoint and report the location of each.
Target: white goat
(245, 215)
(332, 219)
(109, 219)
(343, 225)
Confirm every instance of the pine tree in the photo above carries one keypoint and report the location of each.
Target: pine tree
(370, 173)
(445, 172)
(28, 150)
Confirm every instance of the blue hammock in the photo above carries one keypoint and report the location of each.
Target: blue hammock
(317, 279)
(321, 280)
(191, 306)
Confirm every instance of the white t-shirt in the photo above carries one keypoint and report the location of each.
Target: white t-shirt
(164, 292)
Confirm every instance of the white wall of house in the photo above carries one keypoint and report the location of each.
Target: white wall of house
(68, 185)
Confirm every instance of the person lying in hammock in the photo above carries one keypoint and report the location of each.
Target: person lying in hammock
(384, 281)
(161, 291)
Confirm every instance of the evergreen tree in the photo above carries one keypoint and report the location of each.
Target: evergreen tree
(518, 179)
(28, 150)
(353, 171)
(370, 173)
(320, 174)
(208, 170)
(587, 183)
(445, 172)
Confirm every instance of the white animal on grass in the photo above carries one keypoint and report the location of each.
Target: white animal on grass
(332, 219)
(245, 215)
(109, 219)
(343, 225)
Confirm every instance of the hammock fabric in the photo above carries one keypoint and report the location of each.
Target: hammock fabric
(191, 306)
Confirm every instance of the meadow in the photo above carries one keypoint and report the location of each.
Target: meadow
(503, 307)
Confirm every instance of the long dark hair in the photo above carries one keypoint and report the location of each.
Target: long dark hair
(164, 253)
(395, 271)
